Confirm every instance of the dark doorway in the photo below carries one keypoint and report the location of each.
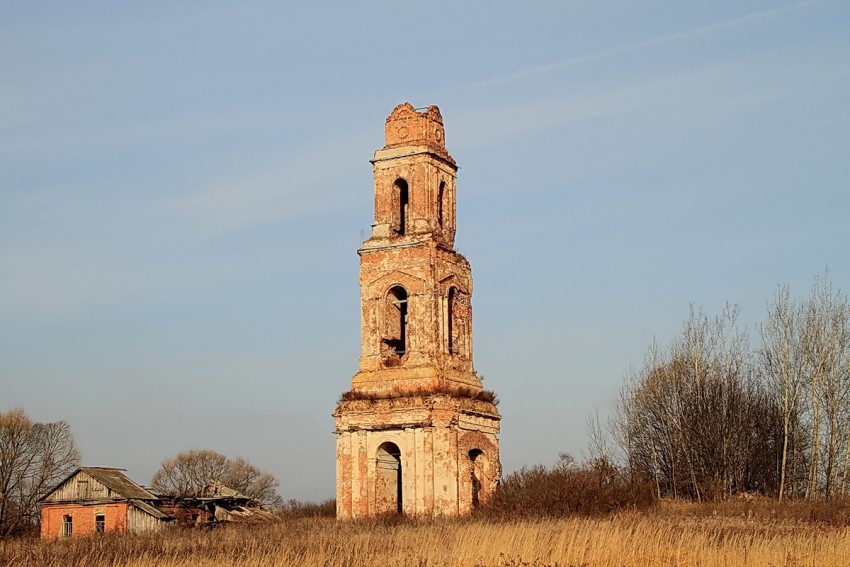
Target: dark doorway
(476, 461)
(388, 480)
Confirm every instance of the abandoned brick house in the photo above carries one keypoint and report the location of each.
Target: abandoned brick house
(416, 434)
(99, 499)
(102, 499)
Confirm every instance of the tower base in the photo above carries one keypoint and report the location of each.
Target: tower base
(420, 455)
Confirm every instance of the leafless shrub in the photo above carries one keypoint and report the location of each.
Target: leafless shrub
(299, 509)
(488, 396)
(594, 488)
(456, 391)
(762, 509)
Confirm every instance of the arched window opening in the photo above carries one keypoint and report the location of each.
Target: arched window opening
(476, 461)
(451, 310)
(395, 319)
(400, 201)
(440, 206)
(388, 480)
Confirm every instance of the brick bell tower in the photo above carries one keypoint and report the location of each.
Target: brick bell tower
(417, 433)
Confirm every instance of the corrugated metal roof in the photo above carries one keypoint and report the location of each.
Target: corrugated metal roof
(116, 481)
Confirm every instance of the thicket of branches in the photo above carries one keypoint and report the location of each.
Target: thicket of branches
(595, 487)
(34, 457)
(188, 473)
(713, 414)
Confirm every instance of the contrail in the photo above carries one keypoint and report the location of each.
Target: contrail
(580, 59)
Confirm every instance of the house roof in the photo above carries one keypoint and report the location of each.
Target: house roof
(147, 508)
(114, 479)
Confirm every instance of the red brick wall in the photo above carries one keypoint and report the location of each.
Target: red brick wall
(115, 518)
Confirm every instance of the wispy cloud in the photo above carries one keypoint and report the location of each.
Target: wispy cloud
(304, 183)
(629, 47)
(55, 279)
(32, 134)
(646, 99)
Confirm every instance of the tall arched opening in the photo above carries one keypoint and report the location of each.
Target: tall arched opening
(451, 327)
(477, 463)
(441, 205)
(395, 326)
(388, 480)
(401, 198)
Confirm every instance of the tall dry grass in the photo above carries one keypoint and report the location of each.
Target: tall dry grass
(632, 539)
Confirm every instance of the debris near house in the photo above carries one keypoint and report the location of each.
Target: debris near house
(216, 504)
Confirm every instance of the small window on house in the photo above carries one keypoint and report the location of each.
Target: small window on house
(99, 523)
(400, 201)
(67, 526)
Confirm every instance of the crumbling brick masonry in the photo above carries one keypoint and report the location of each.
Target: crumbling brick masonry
(417, 434)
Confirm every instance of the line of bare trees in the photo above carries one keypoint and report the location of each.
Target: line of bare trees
(35, 457)
(713, 414)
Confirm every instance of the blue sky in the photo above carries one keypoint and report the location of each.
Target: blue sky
(183, 187)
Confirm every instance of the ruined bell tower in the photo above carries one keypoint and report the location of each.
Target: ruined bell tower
(417, 433)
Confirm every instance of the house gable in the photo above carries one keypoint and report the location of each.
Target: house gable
(88, 484)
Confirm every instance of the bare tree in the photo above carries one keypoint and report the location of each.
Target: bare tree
(828, 317)
(805, 358)
(687, 419)
(706, 417)
(782, 363)
(248, 479)
(188, 473)
(34, 457)
(597, 445)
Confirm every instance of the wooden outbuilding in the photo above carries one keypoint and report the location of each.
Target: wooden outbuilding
(96, 500)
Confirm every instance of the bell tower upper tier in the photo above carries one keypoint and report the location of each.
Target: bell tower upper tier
(415, 289)
(414, 180)
(407, 127)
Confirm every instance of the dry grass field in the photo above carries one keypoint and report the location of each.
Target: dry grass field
(672, 535)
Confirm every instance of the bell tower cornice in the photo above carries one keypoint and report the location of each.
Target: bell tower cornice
(411, 151)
